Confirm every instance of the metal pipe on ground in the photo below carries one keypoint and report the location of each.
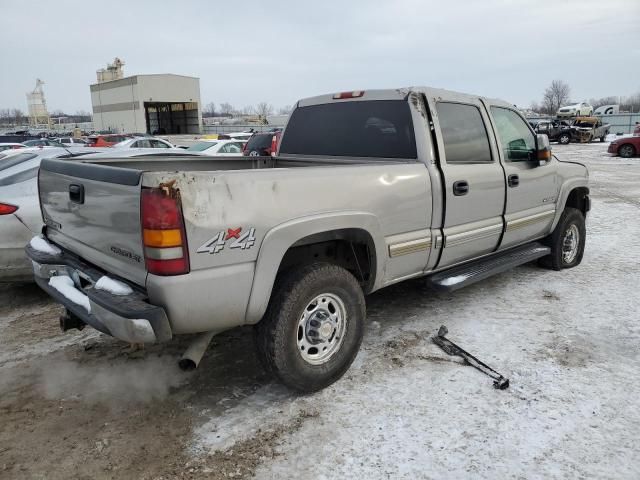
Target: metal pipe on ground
(195, 351)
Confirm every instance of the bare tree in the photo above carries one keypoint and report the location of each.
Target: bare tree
(599, 102)
(226, 109)
(82, 116)
(534, 107)
(556, 95)
(18, 116)
(263, 109)
(209, 110)
(286, 110)
(631, 103)
(248, 110)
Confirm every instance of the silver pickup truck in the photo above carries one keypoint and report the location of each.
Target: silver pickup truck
(369, 188)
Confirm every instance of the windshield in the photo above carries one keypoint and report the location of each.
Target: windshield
(201, 146)
(16, 160)
(376, 129)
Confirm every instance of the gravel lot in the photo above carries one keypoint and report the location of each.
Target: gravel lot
(82, 405)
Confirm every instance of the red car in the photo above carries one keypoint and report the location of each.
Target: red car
(625, 147)
(107, 140)
(262, 144)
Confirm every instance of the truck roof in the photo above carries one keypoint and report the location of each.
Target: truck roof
(391, 94)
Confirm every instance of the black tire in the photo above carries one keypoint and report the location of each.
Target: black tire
(626, 150)
(603, 138)
(571, 217)
(564, 138)
(277, 334)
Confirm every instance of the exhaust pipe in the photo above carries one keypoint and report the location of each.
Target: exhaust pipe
(69, 321)
(191, 357)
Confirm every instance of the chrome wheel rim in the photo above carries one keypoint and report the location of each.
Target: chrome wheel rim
(321, 328)
(570, 244)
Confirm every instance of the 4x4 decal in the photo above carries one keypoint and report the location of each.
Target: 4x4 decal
(240, 240)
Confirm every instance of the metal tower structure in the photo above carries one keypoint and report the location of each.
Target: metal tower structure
(38, 114)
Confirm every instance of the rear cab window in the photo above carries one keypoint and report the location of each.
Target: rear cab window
(464, 133)
(370, 129)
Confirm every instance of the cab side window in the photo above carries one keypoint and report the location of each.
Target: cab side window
(516, 140)
(464, 133)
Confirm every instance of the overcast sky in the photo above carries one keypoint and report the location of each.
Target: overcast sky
(248, 51)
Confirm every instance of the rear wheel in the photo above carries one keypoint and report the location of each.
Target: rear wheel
(313, 326)
(567, 241)
(627, 150)
(603, 138)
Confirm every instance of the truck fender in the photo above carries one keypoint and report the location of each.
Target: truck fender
(565, 191)
(280, 238)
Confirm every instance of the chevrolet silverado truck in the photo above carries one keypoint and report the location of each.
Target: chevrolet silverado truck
(368, 189)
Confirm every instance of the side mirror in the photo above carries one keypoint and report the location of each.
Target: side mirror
(517, 151)
(543, 149)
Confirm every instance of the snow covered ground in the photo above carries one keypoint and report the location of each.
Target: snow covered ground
(569, 342)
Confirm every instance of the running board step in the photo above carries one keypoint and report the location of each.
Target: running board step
(463, 275)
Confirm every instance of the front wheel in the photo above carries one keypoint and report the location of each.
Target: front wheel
(567, 241)
(313, 326)
(564, 138)
(627, 151)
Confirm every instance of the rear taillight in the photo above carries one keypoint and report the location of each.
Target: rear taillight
(274, 145)
(6, 209)
(163, 233)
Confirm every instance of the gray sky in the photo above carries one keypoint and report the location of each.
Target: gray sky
(278, 51)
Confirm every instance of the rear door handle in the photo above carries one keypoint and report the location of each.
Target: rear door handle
(461, 187)
(76, 193)
(513, 180)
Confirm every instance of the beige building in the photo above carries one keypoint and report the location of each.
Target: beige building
(157, 104)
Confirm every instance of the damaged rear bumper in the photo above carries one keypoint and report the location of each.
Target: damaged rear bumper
(127, 317)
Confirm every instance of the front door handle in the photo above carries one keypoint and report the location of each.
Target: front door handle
(513, 180)
(461, 187)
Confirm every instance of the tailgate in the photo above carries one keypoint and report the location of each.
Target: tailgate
(93, 211)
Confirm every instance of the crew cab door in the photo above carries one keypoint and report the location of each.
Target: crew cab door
(532, 187)
(473, 177)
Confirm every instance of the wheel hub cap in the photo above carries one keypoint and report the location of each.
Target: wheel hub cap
(570, 244)
(321, 328)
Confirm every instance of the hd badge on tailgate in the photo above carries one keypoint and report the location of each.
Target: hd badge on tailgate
(232, 236)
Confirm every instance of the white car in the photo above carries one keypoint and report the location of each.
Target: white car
(230, 148)
(144, 142)
(576, 110)
(71, 142)
(240, 135)
(10, 146)
(20, 217)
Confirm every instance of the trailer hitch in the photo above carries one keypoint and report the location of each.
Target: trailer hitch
(451, 348)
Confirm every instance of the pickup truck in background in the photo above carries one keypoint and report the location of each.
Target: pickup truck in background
(368, 189)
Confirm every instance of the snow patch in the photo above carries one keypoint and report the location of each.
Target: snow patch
(66, 287)
(39, 244)
(453, 280)
(112, 286)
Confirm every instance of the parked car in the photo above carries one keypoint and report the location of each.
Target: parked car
(262, 144)
(42, 142)
(352, 202)
(10, 146)
(626, 147)
(575, 110)
(607, 110)
(20, 217)
(556, 131)
(240, 135)
(587, 129)
(218, 147)
(107, 140)
(144, 142)
(72, 142)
